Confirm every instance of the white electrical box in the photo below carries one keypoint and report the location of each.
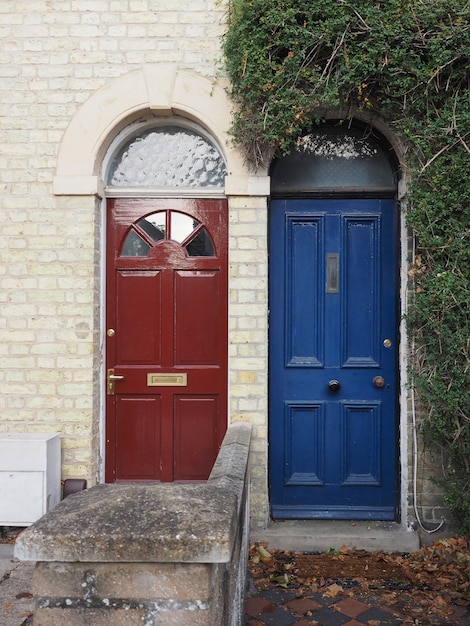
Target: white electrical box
(29, 476)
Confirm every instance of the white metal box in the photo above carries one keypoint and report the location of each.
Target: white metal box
(29, 476)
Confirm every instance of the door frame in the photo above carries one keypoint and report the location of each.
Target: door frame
(327, 512)
(213, 213)
(404, 243)
(177, 204)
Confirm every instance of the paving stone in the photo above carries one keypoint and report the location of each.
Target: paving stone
(323, 600)
(302, 605)
(384, 617)
(329, 617)
(279, 617)
(278, 595)
(255, 606)
(16, 601)
(351, 607)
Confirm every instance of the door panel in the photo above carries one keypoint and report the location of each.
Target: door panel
(332, 306)
(166, 338)
(360, 463)
(304, 437)
(195, 437)
(137, 431)
(304, 316)
(138, 328)
(361, 304)
(197, 307)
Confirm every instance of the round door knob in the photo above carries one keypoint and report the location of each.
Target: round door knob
(379, 381)
(334, 386)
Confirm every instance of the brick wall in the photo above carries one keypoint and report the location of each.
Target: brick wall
(53, 56)
(248, 335)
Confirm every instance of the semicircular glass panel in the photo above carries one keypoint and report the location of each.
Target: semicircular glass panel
(334, 159)
(170, 156)
(167, 226)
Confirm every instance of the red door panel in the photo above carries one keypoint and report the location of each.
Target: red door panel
(197, 306)
(166, 338)
(137, 431)
(138, 327)
(195, 437)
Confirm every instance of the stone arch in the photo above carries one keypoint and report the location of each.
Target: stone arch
(158, 89)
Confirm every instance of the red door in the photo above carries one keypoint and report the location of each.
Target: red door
(166, 338)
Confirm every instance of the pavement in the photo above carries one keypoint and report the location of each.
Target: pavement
(274, 606)
(345, 606)
(281, 607)
(16, 600)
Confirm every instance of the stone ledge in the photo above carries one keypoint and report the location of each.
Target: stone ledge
(148, 523)
(125, 554)
(185, 523)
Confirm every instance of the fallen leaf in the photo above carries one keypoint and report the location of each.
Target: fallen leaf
(264, 553)
(333, 590)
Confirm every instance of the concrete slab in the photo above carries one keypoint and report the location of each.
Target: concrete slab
(323, 535)
(6, 559)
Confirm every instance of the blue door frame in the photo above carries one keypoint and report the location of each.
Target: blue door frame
(333, 359)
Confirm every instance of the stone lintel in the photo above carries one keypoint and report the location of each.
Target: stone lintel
(159, 522)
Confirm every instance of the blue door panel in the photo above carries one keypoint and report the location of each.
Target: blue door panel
(304, 438)
(361, 291)
(360, 457)
(303, 275)
(332, 306)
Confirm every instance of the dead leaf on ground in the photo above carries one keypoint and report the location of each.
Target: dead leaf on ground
(426, 585)
(333, 590)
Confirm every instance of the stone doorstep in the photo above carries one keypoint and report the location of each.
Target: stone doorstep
(323, 535)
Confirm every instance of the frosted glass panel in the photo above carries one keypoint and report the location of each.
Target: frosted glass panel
(335, 159)
(168, 157)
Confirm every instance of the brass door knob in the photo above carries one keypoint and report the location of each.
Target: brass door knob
(379, 381)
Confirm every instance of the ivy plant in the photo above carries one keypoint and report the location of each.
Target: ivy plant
(408, 63)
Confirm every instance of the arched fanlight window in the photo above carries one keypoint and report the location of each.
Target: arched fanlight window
(167, 225)
(335, 159)
(166, 156)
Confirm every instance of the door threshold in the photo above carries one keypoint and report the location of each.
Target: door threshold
(324, 535)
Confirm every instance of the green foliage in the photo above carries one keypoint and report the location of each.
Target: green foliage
(405, 61)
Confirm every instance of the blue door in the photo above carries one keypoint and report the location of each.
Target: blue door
(333, 359)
